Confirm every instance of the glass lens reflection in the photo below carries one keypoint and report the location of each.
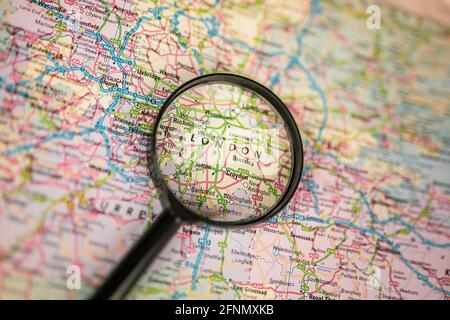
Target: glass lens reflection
(224, 152)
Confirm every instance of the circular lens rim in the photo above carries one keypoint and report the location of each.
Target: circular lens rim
(292, 131)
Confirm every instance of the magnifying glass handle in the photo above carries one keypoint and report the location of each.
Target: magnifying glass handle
(137, 260)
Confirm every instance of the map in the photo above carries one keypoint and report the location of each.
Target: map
(81, 84)
(236, 161)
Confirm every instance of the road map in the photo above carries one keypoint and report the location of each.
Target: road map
(81, 84)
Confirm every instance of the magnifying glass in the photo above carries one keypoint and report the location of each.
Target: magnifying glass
(225, 151)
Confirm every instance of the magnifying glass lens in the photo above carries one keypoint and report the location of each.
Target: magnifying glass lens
(223, 151)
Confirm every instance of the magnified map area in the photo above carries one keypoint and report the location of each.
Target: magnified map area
(224, 152)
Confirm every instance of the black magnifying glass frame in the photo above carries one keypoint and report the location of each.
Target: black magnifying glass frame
(174, 215)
